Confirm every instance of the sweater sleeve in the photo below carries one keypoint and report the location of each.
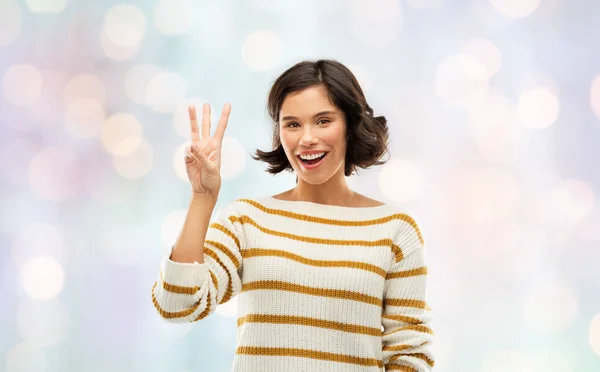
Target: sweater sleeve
(407, 336)
(189, 292)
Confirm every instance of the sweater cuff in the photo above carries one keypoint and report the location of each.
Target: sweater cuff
(184, 274)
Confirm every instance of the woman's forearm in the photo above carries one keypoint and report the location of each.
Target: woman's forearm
(189, 246)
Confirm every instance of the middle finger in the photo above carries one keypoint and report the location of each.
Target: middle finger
(206, 120)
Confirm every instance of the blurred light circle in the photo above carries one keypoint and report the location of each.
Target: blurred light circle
(506, 360)
(486, 52)
(594, 333)
(42, 277)
(118, 52)
(494, 126)
(124, 25)
(22, 85)
(581, 200)
(137, 79)
(425, 4)
(550, 308)
(54, 174)
(181, 117)
(538, 108)
(563, 207)
(262, 50)
(38, 239)
(46, 6)
(400, 180)
(121, 134)
(85, 86)
(165, 92)
(48, 112)
(233, 158)
(84, 118)
(43, 324)
(173, 17)
(515, 8)
(461, 81)
(26, 357)
(595, 95)
(137, 163)
(588, 229)
(171, 226)
(179, 162)
(11, 22)
(489, 195)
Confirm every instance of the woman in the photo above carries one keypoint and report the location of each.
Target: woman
(328, 279)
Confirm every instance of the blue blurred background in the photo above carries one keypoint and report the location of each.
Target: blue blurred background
(494, 112)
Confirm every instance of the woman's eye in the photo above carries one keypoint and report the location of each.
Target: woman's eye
(292, 124)
(325, 120)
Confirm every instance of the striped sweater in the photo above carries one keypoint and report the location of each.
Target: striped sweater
(319, 287)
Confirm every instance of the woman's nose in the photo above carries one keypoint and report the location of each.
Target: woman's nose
(308, 136)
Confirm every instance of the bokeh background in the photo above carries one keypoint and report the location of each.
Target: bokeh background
(494, 112)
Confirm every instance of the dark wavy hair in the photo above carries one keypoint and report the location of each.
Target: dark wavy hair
(367, 135)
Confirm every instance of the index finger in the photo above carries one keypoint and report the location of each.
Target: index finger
(193, 123)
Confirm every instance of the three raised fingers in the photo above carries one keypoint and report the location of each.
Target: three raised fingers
(219, 133)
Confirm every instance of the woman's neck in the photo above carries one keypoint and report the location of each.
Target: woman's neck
(332, 192)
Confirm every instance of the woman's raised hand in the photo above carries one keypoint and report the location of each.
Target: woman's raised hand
(203, 156)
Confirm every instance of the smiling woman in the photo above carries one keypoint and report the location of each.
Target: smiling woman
(328, 279)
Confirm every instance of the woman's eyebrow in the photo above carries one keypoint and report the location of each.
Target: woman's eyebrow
(289, 117)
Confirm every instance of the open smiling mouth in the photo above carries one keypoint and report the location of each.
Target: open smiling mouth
(313, 162)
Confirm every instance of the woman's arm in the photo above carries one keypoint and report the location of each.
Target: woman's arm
(189, 246)
(407, 337)
(191, 290)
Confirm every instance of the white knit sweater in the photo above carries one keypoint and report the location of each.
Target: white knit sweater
(320, 287)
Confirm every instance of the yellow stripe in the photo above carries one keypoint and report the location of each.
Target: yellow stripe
(311, 322)
(402, 318)
(177, 288)
(229, 291)
(311, 354)
(328, 221)
(259, 252)
(406, 302)
(218, 226)
(412, 327)
(396, 367)
(407, 273)
(421, 356)
(225, 251)
(323, 292)
(396, 348)
(171, 315)
(206, 310)
(367, 243)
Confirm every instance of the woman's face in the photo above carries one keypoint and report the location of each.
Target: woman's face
(311, 125)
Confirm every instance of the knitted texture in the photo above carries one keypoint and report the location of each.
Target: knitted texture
(319, 287)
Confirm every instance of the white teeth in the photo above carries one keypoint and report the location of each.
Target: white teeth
(312, 156)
